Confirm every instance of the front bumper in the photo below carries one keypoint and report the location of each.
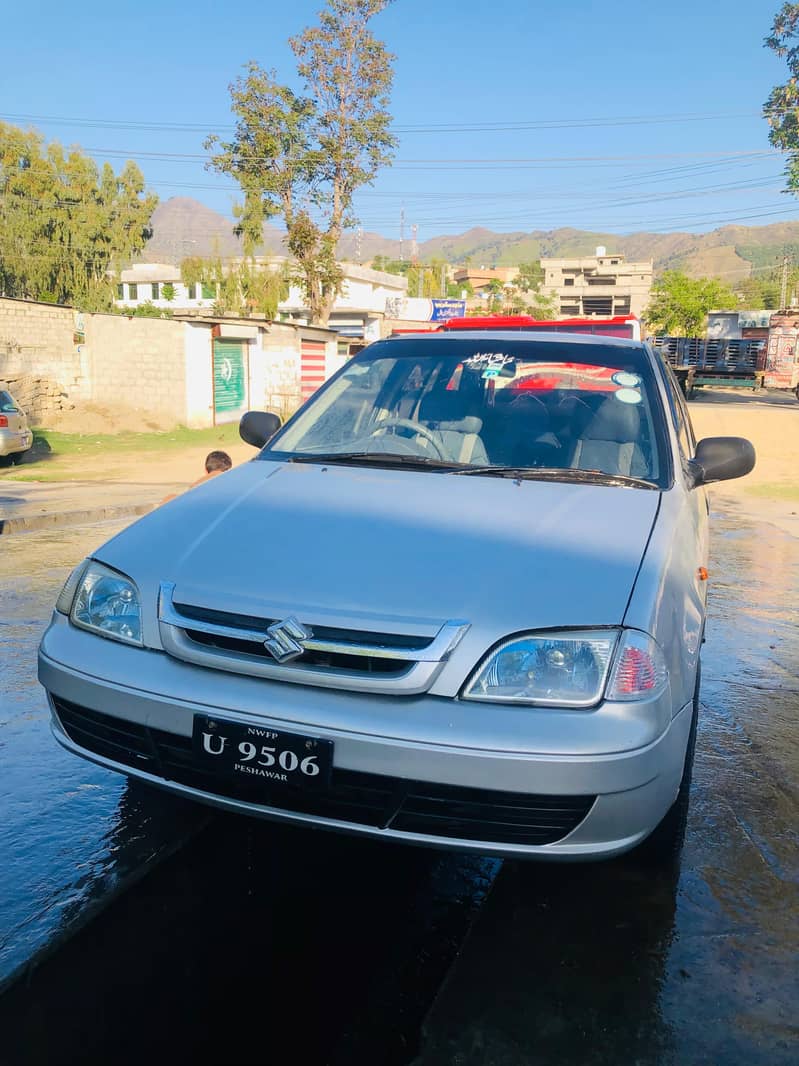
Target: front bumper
(14, 440)
(627, 792)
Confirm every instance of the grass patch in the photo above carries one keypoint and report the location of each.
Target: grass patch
(106, 456)
(88, 445)
(775, 490)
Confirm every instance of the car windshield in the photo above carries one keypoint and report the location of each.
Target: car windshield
(489, 404)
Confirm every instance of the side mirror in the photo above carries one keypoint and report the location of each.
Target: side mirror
(257, 427)
(721, 459)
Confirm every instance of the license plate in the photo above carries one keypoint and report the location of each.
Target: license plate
(258, 754)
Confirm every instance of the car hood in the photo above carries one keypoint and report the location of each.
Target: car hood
(369, 546)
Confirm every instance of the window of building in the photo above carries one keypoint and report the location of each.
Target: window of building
(570, 309)
(568, 281)
(155, 290)
(208, 291)
(120, 292)
(192, 292)
(614, 262)
(598, 305)
(133, 292)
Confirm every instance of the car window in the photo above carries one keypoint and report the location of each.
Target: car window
(679, 414)
(500, 402)
(7, 403)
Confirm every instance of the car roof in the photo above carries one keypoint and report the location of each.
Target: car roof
(516, 335)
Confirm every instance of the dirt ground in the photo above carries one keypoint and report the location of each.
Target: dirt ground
(771, 422)
(97, 418)
(154, 469)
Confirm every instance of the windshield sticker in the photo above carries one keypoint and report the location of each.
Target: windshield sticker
(628, 395)
(492, 372)
(494, 360)
(627, 380)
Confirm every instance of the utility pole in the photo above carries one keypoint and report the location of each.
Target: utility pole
(358, 244)
(784, 284)
(443, 284)
(402, 233)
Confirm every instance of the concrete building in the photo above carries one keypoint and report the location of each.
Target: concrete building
(360, 308)
(146, 282)
(481, 278)
(600, 284)
(358, 313)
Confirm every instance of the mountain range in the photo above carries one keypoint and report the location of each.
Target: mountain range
(185, 227)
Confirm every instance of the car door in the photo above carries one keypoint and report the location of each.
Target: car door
(692, 531)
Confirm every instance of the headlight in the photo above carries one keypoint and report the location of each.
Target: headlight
(67, 594)
(555, 669)
(107, 603)
(571, 669)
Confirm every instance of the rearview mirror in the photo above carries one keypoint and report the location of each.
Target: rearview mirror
(721, 459)
(257, 427)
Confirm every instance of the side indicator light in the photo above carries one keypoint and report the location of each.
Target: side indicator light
(702, 574)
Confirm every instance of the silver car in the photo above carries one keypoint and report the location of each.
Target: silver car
(15, 435)
(457, 600)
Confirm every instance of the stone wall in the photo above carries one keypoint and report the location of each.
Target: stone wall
(43, 361)
(155, 373)
(138, 364)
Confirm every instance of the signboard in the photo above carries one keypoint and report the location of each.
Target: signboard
(444, 309)
(419, 309)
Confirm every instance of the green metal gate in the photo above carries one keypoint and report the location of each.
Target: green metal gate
(230, 381)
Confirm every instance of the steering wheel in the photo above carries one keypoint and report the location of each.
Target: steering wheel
(415, 427)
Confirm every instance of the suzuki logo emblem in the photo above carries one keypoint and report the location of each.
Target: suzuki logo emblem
(285, 640)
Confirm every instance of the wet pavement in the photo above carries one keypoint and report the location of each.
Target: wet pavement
(622, 963)
(70, 834)
(259, 944)
(28, 505)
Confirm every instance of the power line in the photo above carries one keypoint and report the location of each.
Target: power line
(557, 122)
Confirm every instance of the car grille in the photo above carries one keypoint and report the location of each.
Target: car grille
(377, 800)
(335, 657)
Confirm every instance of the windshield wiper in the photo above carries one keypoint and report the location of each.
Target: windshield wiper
(556, 473)
(379, 459)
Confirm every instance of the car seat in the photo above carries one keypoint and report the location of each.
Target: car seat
(531, 441)
(457, 429)
(611, 441)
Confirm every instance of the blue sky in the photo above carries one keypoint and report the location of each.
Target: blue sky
(621, 117)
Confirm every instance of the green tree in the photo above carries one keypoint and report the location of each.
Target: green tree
(455, 288)
(243, 287)
(781, 110)
(64, 225)
(530, 277)
(391, 266)
(424, 281)
(147, 310)
(168, 291)
(680, 304)
(761, 292)
(304, 156)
